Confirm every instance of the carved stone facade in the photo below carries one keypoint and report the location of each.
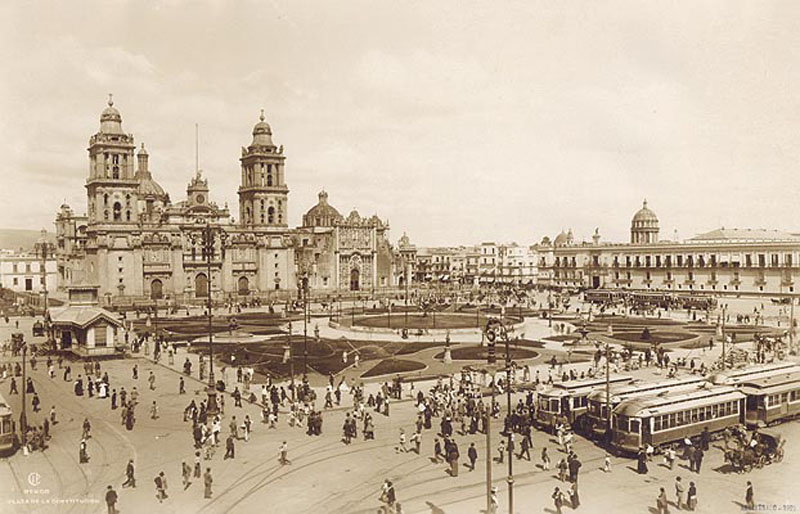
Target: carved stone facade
(135, 244)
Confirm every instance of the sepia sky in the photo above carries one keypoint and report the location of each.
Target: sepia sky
(458, 121)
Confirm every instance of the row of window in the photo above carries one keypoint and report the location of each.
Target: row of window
(668, 421)
(779, 398)
(689, 261)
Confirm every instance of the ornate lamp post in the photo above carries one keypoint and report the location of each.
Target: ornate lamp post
(44, 250)
(496, 329)
(208, 236)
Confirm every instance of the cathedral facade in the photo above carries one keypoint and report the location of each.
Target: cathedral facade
(136, 244)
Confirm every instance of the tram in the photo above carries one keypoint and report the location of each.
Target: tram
(663, 420)
(651, 299)
(603, 296)
(739, 376)
(8, 434)
(567, 401)
(597, 415)
(771, 399)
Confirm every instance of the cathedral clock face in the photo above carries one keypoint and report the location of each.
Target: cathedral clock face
(200, 198)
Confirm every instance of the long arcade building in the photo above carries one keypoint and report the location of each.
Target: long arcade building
(135, 244)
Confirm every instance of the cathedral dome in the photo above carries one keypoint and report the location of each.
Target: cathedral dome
(149, 187)
(321, 215)
(644, 226)
(262, 133)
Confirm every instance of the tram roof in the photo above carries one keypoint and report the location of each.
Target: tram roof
(773, 383)
(647, 388)
(753, 372)
(572, 386)
(678, 401)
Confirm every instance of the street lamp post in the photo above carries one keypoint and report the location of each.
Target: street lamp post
(23, 418)
(207, 236)
(496, 329)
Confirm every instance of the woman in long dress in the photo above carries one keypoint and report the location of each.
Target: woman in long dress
(642, 459)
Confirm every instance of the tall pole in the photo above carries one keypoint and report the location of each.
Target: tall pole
(722, 332)
(791, 323)
(291, 362)
(305, 327)
(510, 478)
(489, 444)
(23, 418)
(608, 392)
(406, 315)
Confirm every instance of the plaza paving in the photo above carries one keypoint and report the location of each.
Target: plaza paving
(325, 475)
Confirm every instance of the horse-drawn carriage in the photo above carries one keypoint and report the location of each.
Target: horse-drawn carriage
(762, 449)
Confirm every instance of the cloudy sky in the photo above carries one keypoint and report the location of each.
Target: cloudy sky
(458, 121)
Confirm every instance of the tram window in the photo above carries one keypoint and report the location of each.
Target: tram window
(793, 396)
(657, 424)
(694, 415)
(576, 402)
(784, 397)
(702, 413)
(6, 426)
(634, 426)
(672, 421)
(553, 405)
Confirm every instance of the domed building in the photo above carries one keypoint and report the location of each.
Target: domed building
(323, 214)
(137, 246)
(644, 226)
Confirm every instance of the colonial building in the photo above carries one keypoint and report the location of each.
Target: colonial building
(20, 271)
(136, 244)
(723, 261)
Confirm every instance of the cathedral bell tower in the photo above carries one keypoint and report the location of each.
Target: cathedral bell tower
(263, 195)
(111, 187)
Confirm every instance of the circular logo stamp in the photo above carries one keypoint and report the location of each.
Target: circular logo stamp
(34, 479)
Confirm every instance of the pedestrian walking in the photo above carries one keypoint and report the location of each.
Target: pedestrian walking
(607, 464)
(437, 451)
(130, 480)
(641, 459)
(749, 497)
(161, 487)
(558, 500)
(678, 492)
(152, 380)
(494, 503)
(545, 459)
(111, 500)
(284, 454)
(186, 473)
(230, 449)
(154, 411)
(573, 495)
(472, 455)
(562, 470)
(181, 387)
(403, 441)
(691, 498)
(501, 451)
(662, 504)
(207, 481)
(197, 464)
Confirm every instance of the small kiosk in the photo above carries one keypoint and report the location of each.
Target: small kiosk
(84, 328)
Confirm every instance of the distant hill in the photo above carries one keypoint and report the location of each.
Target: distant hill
(15, 239)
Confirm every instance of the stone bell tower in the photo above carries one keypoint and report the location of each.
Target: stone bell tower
(263, 195)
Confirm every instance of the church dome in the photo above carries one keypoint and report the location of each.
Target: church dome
(321, 215)
(149, 187)
(644, 215)
(262, 133)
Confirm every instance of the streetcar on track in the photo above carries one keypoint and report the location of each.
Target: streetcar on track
(771, 399)
(664, 420)
(8, 434)
(597, 415)
(566, 402)
(742, 375)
